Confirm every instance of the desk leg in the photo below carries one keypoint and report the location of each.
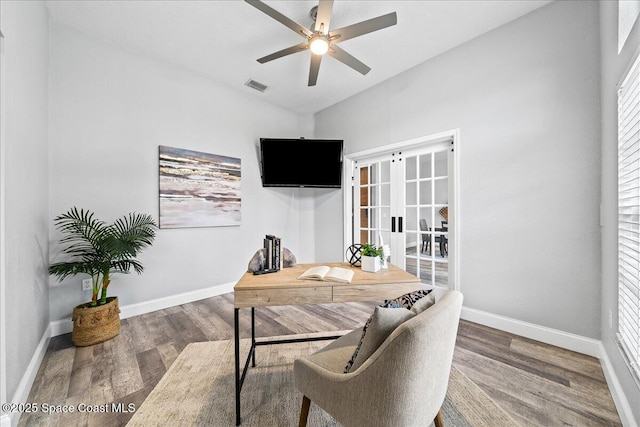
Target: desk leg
(237, 345)
(253, 335)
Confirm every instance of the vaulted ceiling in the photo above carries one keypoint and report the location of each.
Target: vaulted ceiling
(221, 40)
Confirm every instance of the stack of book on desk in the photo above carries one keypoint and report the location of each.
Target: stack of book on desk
(273, 252)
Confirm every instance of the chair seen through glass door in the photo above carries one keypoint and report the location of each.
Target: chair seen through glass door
(416, 188)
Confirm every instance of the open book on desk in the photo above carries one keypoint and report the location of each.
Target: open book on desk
(323, 272)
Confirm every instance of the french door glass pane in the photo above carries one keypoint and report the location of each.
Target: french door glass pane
(385, 195)
(442, 273)
(385, 172)
(411, 193)
(364, 196)
(374, 174)
(426, 197)
(373, 221)
(375, 202)
(411, 219)
(427, 247)
(364, 176)
(441, 167)
(412, 241)
(441, 191)
(410, 168)
(425, 166)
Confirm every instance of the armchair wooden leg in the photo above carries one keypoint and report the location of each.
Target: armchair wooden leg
(438, 421)
(304, 411)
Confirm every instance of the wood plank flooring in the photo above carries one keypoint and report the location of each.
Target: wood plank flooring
(538, 384)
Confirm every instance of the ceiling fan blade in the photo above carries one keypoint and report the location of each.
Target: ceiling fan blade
(364, 27)
(314, 69)
(323, 16)
(280, 17)
(347, 59)
(284, 52)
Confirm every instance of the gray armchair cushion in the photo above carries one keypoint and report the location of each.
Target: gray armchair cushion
(382, 322)
(334, 355)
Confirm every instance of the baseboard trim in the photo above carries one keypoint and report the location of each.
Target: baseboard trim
(24, 387)
(617, 393)
(60, 327)
(566, 340)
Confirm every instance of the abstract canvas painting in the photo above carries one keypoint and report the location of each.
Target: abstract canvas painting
(198, 189)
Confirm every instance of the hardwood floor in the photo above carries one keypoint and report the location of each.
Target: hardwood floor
(538, 384)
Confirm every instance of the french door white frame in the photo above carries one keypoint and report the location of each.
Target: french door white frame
(454, 206)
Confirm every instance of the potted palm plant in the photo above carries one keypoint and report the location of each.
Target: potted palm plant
(99, 250)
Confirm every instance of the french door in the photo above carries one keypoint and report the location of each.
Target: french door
(403, 199)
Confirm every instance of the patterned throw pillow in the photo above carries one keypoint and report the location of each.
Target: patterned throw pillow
(423, 303)
(381, 323)
(408, 300)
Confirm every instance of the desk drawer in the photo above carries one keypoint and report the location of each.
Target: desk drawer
(377, 292)
(287, 296)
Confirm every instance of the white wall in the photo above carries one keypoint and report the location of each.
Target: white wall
(614, 67)
(110, 110)
(25, 175)
(526, 100)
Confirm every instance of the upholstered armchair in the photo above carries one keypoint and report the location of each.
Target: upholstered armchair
(403, 383)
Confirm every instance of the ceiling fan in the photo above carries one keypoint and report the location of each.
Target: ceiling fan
(319, 40)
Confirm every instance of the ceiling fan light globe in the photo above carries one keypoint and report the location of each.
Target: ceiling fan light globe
(319, 45)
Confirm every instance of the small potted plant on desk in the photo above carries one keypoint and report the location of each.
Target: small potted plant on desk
(99, 249)
(371, 257)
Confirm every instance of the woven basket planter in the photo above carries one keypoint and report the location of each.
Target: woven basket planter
(93, 325)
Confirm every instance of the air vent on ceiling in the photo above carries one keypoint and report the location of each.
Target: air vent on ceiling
(255, 85)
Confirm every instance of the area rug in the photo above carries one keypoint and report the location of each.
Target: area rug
(198, 390)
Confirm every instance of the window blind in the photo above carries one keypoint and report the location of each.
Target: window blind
(629, 217)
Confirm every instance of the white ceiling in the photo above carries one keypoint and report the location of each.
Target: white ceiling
(222, 39)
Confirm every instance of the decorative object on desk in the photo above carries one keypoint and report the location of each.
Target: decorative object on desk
(371, 258)
(99, 250)
(386, 253)
(331, 274)
(354, 255)
(198, 189)
(273, 252)
(288, 259)
(259, 260)
(370, 263)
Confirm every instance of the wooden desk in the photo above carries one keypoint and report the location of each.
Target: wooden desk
(284, 288)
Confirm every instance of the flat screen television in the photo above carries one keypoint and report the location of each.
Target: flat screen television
(301, 162)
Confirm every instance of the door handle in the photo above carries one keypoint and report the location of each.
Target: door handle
(399, 224)
(393, 224)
